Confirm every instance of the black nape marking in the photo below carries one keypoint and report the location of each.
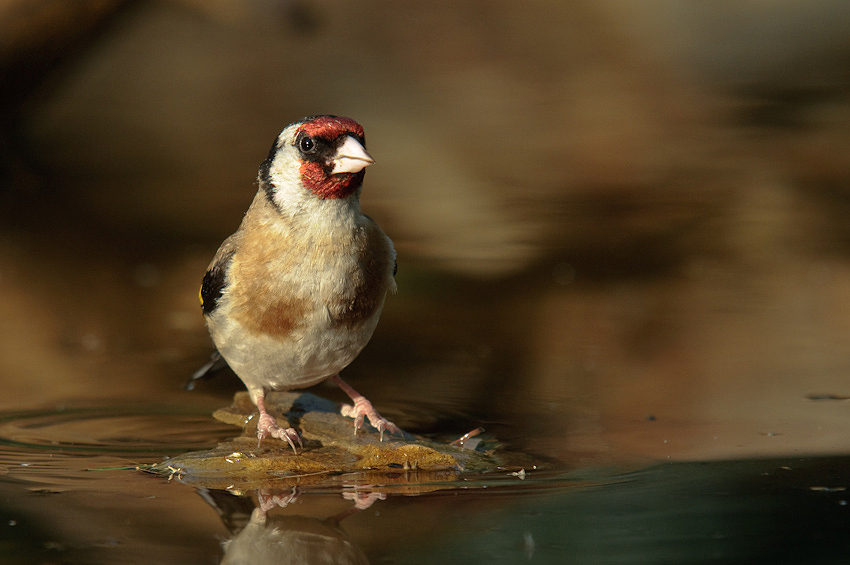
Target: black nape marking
(264, 176)
(213, 284)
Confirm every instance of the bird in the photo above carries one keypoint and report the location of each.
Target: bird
(295, 293)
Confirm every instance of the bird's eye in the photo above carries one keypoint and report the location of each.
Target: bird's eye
(307, 145)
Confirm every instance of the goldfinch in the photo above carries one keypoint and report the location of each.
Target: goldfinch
(293, 296)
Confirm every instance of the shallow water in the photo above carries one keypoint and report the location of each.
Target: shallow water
(71, 495)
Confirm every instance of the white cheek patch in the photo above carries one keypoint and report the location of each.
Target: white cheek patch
(285, 175)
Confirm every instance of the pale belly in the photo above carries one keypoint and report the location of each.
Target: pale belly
(298, 361)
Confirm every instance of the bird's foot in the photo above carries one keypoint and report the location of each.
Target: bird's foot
(363, 409)
(269, 499)
(363, 500)
(268, 427)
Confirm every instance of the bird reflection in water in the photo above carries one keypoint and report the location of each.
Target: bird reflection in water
(261, 537)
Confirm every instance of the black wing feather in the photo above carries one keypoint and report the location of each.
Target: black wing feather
(214, 279)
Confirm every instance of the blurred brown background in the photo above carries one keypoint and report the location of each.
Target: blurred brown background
(621, 226)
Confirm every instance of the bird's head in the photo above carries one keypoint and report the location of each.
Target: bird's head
(319, 156)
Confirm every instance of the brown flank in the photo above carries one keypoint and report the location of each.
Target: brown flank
(369, 283)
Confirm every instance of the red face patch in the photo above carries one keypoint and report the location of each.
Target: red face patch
(331, 127)
(325, 185)
(315, 174)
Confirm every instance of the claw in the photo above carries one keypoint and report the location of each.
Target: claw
(363, 409)
(267, 426)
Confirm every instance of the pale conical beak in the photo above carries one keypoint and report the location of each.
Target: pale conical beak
(351, 157)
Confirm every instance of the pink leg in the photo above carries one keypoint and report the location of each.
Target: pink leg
(363, 409)
(267, 426)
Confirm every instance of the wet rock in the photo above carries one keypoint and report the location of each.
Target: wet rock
(330, 449)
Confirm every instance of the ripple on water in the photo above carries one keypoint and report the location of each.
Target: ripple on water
(116, 430)
(59, 447)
